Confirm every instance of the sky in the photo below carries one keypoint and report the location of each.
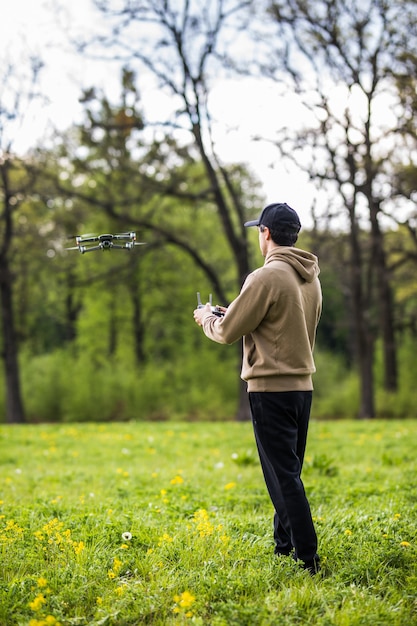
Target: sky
(30, 27)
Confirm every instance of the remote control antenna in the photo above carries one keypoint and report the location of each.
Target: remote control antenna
(214, 309)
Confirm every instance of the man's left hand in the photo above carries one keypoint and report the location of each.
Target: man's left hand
(199, 314)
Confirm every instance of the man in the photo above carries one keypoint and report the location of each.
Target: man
(276, 313)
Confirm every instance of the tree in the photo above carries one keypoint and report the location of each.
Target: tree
(17, 181)
(340, 58)
(180, 45)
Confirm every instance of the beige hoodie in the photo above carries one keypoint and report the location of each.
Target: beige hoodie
(276, 313)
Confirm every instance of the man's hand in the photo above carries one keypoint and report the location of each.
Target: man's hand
(223, 309)
(199, 314)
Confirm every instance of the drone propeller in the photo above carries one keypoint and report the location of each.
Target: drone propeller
(84, 235)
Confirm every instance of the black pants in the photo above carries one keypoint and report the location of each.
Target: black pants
(280, 421)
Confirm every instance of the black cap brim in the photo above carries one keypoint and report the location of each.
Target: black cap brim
(252, 223)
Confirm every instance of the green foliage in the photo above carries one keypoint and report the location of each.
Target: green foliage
(62, 386)
(336, 387)
(149, 523)
(404, 401)
(190, 378)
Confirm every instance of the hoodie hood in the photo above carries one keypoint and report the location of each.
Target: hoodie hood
(305, 263)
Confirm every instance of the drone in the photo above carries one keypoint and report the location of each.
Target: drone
(120, 241)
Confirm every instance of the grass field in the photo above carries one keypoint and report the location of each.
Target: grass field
(170, 523)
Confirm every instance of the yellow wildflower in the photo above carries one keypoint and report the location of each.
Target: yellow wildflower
(13, 527)
(37, 603)
(183, 602)
(117, 564)
(78, 547)
(204, 527)
(165, 539)
(177, 480)
(50, 620)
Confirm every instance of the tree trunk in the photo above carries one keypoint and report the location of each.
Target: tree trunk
(14, 405)
(366, 376)
(364, 352)
(72, 309)
(384, 303)
(363, 334)
(138, 326)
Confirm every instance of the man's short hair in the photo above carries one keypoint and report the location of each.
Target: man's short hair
(284, 237)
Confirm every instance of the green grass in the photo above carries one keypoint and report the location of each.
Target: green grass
(201, 552)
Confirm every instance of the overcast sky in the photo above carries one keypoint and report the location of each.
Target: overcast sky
(30, 27)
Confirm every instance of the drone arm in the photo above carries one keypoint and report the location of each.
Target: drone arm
(85, 239)
(84, 249)
(123, 236)
(126, 246)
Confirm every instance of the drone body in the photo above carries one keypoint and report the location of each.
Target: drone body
(120, 241)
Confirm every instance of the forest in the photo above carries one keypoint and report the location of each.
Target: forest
(109, 335)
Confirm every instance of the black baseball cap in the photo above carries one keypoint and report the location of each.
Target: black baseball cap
(277, 216)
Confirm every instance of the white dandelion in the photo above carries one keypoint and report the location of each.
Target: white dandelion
(127, 536)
